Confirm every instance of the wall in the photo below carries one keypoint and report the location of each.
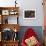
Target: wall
(37, 29)
(27, 4)
(32, 4)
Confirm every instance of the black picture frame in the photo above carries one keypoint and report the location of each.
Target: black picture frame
(30, 14)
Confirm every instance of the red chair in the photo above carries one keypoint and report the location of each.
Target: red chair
(29, 33)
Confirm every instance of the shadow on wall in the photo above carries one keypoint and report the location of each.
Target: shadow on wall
(37, 29)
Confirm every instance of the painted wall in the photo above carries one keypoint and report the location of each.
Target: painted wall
(32, 4)
(27, 5)
(37, 29)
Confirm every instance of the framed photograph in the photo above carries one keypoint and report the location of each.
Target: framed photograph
(5, 12)
(13, 12)
(30, 14)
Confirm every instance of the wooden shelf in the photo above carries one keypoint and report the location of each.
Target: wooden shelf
(9, 8)
(4, 13)
(9, 43)
(10, 26)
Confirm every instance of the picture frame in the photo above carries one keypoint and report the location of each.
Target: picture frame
(5, 12)
(30, 14)
(13, 12)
